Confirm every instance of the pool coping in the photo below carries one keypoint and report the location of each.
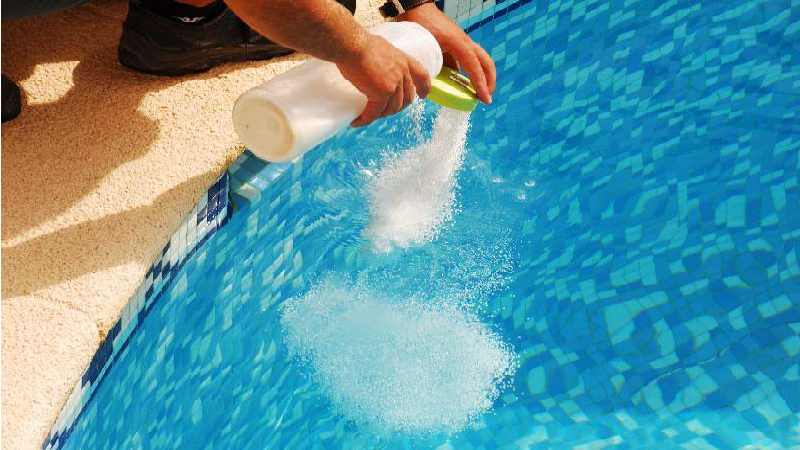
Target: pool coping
(241, 184)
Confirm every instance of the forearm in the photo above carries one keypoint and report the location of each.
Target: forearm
(321, 28)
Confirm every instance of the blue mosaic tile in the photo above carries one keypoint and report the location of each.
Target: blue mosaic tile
(646, 155)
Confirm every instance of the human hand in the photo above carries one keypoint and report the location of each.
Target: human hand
(388, 77)
(460, 50)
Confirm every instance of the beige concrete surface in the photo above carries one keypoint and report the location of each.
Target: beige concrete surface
(98, 170)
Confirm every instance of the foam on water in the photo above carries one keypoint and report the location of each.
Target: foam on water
(414, 194)
(405, 366)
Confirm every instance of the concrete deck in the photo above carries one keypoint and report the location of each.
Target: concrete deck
(98, 170)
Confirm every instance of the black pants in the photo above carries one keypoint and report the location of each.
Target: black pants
(14, 9)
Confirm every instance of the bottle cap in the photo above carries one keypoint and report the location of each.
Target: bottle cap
(453, 90)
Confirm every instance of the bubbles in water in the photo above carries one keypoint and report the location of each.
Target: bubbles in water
(413, 194)
(401, 366)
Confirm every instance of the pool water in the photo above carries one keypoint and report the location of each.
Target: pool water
(617, 265)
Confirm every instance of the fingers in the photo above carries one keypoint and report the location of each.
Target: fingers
(414, 81)
(472, 65)
(372, 111)
(489, 69)
(408, 91)
(386, 106)
(422, 81)
(396, 102)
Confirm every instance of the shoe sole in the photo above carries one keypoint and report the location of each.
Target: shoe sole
(175, 63)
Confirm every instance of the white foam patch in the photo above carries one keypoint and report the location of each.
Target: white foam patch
(407, 366)
(413, 195)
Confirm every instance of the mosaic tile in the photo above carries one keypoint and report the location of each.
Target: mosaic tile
(655, 297)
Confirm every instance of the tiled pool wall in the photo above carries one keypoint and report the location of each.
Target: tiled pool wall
(212, 211)
(242, 183)
(472, 14)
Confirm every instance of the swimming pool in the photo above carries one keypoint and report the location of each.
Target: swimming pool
(626, 225)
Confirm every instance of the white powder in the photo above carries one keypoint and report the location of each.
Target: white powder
(406, 366)
(413, 195)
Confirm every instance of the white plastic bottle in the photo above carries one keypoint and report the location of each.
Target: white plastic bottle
(289, 114)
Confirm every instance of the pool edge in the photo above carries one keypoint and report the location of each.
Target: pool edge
(240, 184)
(209, 214)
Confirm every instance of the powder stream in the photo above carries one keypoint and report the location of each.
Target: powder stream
(413, 195)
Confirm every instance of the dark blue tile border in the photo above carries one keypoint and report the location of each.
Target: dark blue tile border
(195, 230)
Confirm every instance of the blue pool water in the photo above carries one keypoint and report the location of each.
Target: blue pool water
(619, 267)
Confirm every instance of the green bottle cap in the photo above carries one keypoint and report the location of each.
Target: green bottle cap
(453, 90)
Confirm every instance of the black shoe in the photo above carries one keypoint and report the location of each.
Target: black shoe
(11, 99)
(159, 45)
